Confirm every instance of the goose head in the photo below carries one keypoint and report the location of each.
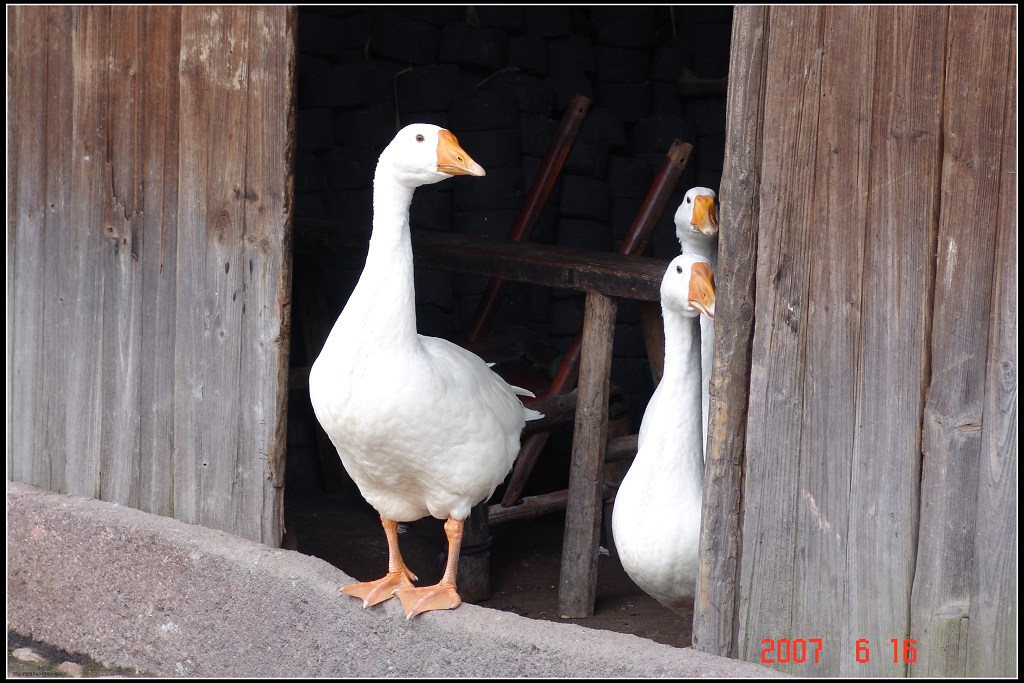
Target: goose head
(422, 154)
(688, 287)
(697, 213)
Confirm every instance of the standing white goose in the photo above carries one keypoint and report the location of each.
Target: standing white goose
(656, 515)
(423, 427)
(697, 229)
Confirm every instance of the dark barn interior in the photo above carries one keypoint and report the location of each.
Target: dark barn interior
(501, 78)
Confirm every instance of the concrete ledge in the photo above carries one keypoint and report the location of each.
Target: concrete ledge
(133, 589)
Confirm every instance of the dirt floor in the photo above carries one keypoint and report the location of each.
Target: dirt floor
(525, 557)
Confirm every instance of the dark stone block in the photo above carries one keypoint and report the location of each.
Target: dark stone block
(435, 287)
(630, 101)
(438, 118)
(587, 158)
(505, 17)
(579, 233)
(431, 210)
(712, 154)
(567, 84)
(372, 125)
(710, 50)
(665, 99)
(318, 34)
(484, 110)
(623, 26)
(344, 85)
(494, 223)
(473, 46)
(314, 129)
(532, 95)
(307, 173)
(621, 215)
(309, 206)
(432, 321)
(565, 316)
(528, 54)
(492, 148)
(348, 168)
(548, 21)
(707, 115)
(439, 15)
(629, 341)
(381, 75)
(656, 133)
(629, 178)
(668, 61)
(604, 124)
(623, 64)
(351, 207)
(429, 88)
(574, 53)
(584, 197)
(536, 134)
(501, 188)
(406, 40)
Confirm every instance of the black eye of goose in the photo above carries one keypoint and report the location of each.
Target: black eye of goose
(419, 137)
(679, 269)
(688, 200)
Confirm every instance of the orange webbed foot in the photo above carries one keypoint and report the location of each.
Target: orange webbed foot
(419, 600)
(376, 592)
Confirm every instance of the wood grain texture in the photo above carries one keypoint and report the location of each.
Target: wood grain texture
(975, 94)
(577, 584)
(158, 256)
(715, 622)
(892, 359)
(58, 302)
(26, 216)
(992, 638)
(102, 294)
(777, 376)
(831, 331)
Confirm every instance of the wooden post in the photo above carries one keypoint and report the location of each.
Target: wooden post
(578, 578)
(714, 618)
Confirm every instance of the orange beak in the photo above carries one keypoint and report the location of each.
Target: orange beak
(451, 158)
(702, 289)
(705, 215)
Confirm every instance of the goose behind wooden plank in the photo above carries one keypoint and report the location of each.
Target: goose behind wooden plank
(423, 426)
(697, 229)
(657, 510)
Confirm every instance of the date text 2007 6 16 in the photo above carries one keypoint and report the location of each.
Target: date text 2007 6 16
(804, 650)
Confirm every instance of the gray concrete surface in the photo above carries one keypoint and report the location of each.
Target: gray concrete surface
(132, 589)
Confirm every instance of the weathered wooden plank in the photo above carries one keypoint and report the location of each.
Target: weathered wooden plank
(838, 219)
(210, 268)
(577, 584)
(157, 256)
(992, 638)
(974, 121)
(899, 230)
(653, 328)
(776, 409)
(121, 303)
(716, 602)
(26, 211)
(266, 274)
(58, 303)
(611, 274)
(83, 386)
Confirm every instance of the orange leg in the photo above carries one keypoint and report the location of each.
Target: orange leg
(398, 576)
(443, 595)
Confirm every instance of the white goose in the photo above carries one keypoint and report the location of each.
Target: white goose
(697, 229)
(656, 515)
(423, 427)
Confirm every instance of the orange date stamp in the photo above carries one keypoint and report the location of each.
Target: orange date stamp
(809, 650)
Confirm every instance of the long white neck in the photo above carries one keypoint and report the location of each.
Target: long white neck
(693, 242)
(383, 304)
(678, 405)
